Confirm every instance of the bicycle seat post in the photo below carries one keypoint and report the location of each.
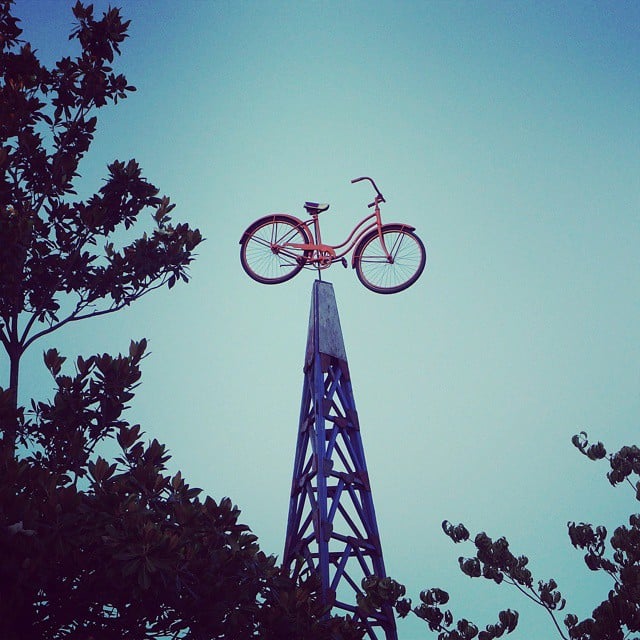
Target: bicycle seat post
(318, 239)
(314, 209)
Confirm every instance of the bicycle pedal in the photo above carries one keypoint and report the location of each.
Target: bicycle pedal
(344, 262)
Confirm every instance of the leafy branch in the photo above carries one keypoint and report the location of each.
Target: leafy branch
(58, 263)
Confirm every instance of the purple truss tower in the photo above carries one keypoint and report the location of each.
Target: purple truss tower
(332, 529)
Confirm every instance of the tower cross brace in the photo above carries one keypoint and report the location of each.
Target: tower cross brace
(332, 530)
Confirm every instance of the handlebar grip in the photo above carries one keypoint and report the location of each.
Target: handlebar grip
(357, 180)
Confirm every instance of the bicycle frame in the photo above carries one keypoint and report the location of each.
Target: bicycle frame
(324, 255)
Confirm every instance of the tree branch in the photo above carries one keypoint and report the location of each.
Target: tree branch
(25, 333)
(94, 314)
(72, 316)
(631, 484)
(555, 622)
(4, 339)
(12, 328)
(533, 597)
(537, 600)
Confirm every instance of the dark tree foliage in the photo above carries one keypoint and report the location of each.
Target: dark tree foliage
(92, 549)
(616, 618)
(99, 550)
(59, 259)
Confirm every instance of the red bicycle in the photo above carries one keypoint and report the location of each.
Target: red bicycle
(387, 258)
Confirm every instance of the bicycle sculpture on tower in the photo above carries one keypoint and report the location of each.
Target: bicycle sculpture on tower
(332, 531)
(387, 258)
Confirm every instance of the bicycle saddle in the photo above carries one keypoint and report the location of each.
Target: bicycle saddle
(314, 208)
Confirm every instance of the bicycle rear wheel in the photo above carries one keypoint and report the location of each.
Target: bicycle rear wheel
(266, 253)
(383, 275)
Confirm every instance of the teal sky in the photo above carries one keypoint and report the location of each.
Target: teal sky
(508, 134)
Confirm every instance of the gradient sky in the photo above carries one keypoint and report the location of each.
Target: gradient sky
(508, 134)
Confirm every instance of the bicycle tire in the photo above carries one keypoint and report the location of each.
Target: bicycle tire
(377, 273)
(261, 252)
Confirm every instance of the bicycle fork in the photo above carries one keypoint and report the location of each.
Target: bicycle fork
(380, 234)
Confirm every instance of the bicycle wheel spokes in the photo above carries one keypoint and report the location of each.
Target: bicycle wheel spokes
(266, 252)
(385, 274)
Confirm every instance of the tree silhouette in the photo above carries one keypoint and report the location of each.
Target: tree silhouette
(59, 259)
(94, 549)
(616, 618)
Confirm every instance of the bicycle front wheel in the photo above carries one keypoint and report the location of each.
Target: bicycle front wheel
(383, 274)
(268, 253)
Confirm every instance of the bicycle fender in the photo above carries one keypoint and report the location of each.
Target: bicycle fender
(271, 216)
(392, 226)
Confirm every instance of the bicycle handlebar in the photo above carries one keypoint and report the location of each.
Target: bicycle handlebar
(379, 198)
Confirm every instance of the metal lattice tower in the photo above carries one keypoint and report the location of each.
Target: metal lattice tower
(332, 529)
